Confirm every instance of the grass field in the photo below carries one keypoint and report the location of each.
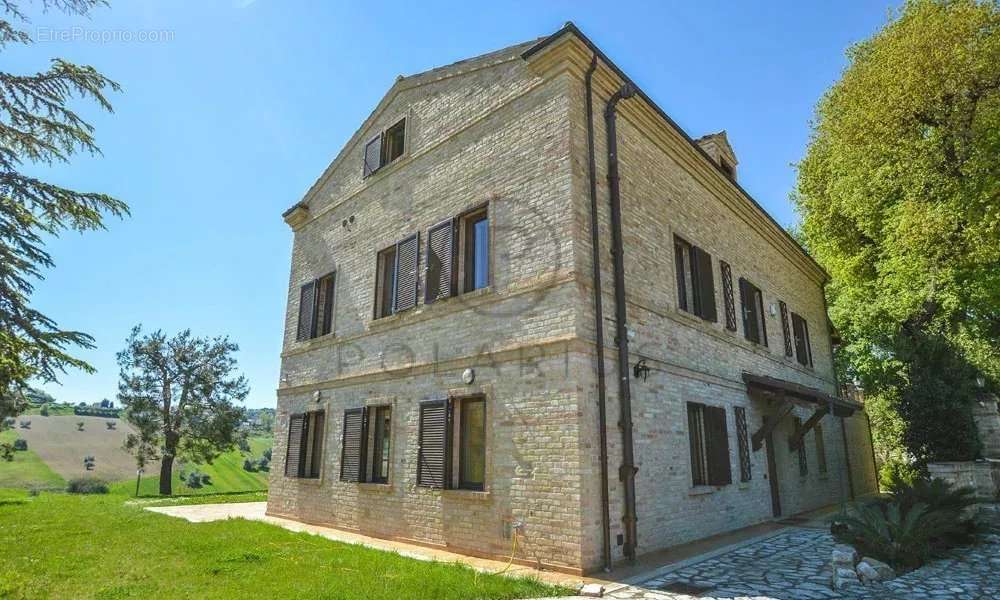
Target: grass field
(56, 449)
(64, 546)
(226, 473)
(28, 471)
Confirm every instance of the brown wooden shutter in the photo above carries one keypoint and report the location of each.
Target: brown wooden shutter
(307, 311)
(353, 445)
(727, 294)
(786, 334)
(747, 300)
(717, 437)
(434, 444)
(439, 277)
(696, 443)
(373, 155)
(407, 259)
(704, 283)
(293, 452)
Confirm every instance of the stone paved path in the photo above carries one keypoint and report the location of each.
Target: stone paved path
(792, 565)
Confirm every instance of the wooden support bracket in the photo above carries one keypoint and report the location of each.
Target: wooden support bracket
(795, 440)
(784, 409)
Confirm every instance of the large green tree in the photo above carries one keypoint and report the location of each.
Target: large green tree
(898, 195)
(181, 395)
(37, 126)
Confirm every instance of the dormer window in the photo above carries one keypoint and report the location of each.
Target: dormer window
(384, 148)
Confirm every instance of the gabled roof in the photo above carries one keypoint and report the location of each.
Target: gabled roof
(571, 29)
(410, 81)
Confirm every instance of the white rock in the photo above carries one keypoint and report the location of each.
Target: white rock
(844, 555)
(843, 577)
(871, 569)
(592, 590)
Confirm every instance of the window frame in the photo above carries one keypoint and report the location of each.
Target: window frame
(381, 271)
(381, 138)
(462, 482)
(374, 474)
(705, 446)
(756, 298)
(316, 328)
(807, 360)
(311, 446)
(467, 248)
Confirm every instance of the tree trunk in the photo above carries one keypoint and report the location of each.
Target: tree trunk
(166, 471)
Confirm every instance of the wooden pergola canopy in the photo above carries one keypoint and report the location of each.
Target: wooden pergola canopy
(787, 395)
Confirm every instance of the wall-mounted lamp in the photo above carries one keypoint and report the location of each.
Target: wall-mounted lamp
(641, 369)
(772, 309)
(348, 223)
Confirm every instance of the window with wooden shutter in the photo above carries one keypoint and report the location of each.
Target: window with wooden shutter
(434, 444)
(785, 332)
(307, 311)
(293, 451)
(803, 351)
(820, 448)
(353, 445)
(727, 294)
(742, 439)
(407, 259)
(695, 281)
(439, 277)
(752, 304)
(709, 444)
(373, 156)
(384, 148)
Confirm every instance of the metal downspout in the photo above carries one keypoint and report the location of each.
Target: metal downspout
(595, 242)
(627, 470)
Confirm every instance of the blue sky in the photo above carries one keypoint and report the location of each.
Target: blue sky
(235, 107)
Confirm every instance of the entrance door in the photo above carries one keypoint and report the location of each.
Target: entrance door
(772, 474)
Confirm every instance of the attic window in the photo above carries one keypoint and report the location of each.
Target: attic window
(384, 148)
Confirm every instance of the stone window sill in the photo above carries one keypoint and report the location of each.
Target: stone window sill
(701, 490)
(468, 494)
(370, 486)
(307, 480)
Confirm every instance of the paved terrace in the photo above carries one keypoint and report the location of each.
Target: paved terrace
(779, 561)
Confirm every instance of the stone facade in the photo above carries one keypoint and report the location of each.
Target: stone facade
(509, 132)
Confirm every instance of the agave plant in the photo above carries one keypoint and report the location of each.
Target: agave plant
(937, 494)
(891, 533)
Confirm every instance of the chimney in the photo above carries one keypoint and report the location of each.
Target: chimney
(716, 145)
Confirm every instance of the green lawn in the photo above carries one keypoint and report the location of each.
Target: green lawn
(28, 471)
(64, 546)
(226, 473)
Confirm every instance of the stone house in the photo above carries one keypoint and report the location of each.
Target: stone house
(455, 371)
